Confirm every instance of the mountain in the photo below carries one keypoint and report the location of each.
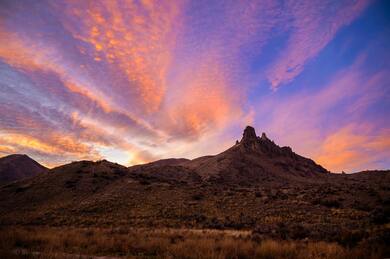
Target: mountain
(254, 185)
(16, 167)
(252, 160)
(255, 159)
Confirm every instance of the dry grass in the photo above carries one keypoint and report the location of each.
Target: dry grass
(45, 242)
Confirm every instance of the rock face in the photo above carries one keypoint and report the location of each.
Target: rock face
(16, 167)
(249, 135)
(255, 159)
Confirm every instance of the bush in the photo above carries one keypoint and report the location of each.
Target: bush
(198, 197)
(351, 238)
(330, 203)
(144, 182)
(378, 216)
(298, 231)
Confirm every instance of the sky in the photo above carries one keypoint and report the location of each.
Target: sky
(136, 81)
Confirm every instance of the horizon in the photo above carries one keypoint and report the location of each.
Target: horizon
(136, 82)
(168, 158)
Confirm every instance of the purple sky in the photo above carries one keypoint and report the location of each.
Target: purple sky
(136, 81)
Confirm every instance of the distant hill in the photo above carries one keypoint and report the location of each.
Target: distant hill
(17, 167)
(254, 185)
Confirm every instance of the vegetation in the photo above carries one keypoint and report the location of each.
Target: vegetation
(255, 200)
(45, 242)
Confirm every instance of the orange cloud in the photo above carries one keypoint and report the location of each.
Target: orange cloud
(14, 51)
(203, 101)
(22, 53)
(140, 48)
(6, 149)
(137, 45)
(352, 147)
(53, 143)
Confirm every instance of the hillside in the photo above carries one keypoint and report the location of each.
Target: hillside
(256, 159)
(254, 185)
(17, 167)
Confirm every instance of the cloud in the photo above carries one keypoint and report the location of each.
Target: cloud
(314, 122)
(139, 80)
(64, 92)
(355, 147)
(137, 47)
(313, 25)
(6, 149)
(73, 134)
(201, 101)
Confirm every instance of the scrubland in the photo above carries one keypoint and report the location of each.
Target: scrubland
(54, 242)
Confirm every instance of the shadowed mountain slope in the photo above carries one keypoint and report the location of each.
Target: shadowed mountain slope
(255, 159)
(16, 167)
(253, 185)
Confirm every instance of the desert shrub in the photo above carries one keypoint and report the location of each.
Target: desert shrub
(70, 183)
(378, 216)
(199, 218)
(372, 192)
(350, 238)
(21, 189)
(281, 230)
(119, 171)
(330, 203)
(144, 182)
(297, 231)
(229, 193)
(214, 223)
(361, 206)
(197, 196)
(281, 195)
(379, 239)
(262, 230)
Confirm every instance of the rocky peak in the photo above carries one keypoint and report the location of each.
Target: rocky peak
(249, 134)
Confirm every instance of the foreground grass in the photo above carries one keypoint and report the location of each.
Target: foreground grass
(45, 242)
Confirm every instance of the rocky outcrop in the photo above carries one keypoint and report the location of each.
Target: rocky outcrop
(249, 135)
(255, 159)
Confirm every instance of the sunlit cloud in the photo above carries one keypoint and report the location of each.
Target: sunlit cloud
(352, 147)
(6, 149)
(201, 101)
(139, 54)
(136, 81)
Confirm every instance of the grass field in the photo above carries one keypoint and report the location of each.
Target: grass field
(52, 242)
